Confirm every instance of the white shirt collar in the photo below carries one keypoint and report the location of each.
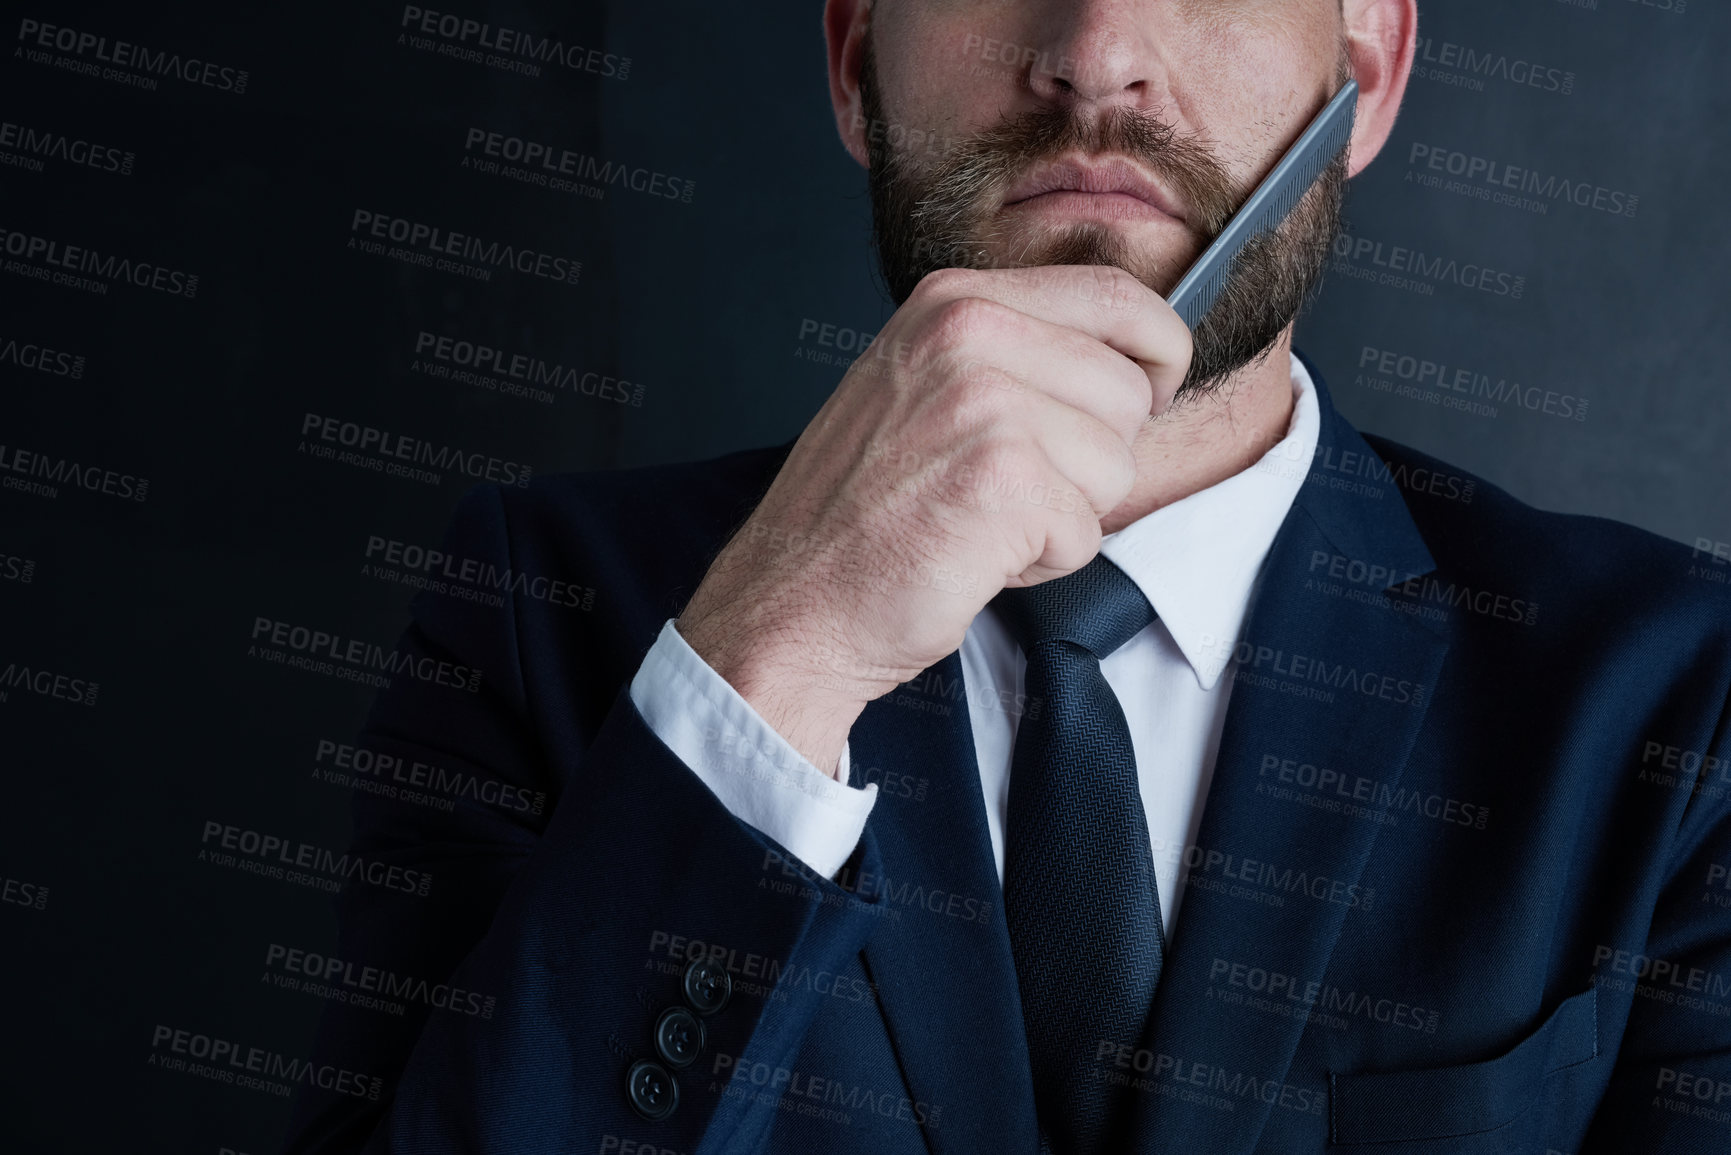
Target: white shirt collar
(1197, 560)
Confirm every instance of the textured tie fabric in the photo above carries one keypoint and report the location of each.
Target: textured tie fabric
(1079, 890)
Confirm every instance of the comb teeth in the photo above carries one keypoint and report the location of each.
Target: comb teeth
(1271, 203)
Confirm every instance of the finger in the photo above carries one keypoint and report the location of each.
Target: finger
(1101, 301)
(1061, 543)
(996, 346)
(1084, 455)
(1045, 457)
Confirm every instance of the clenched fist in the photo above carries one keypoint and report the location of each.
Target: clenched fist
(976, 444)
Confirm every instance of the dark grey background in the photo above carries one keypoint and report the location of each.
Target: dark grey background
(702, 304)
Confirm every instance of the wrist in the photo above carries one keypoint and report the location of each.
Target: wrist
(801, 690)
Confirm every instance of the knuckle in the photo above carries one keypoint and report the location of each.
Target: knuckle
(1120, 467)
(1072, 546)
(984, 381)
(1113, 289)
(1124, 399)
(972, 395)
(1124, 293)
(941, 284)
(964, 319)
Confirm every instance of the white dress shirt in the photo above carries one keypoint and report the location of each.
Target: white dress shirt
(1198, 561)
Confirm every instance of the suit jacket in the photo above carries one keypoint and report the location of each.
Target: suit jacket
(1460, 883)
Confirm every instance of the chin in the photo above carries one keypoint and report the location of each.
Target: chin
(1154, 252)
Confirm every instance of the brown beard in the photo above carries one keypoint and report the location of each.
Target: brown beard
(946, 217)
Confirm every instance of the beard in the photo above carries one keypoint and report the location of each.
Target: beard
(946, 216)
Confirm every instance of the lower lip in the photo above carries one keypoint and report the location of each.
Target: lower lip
(1099, 206)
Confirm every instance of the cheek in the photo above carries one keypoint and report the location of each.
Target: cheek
(1251, 82)
(946, 73)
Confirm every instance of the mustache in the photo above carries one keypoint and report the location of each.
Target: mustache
(944, 213)
(970, 181)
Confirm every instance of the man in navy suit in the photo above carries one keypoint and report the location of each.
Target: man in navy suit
(1080, 739)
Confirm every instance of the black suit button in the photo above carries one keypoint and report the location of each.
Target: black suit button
(678, 1037)
(651, 1089)
(707, 986)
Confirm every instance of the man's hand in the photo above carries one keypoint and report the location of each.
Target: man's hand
(974, 445)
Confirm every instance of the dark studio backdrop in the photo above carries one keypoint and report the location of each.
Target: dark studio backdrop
(275, 293)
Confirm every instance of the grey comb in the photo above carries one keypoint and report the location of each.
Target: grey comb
(1273, 199)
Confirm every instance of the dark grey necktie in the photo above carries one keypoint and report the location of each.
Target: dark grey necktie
(1079, 891)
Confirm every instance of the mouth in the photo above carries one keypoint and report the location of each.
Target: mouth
(1112, 189)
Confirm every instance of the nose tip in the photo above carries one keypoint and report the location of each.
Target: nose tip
(1074, 84)
(1098, 62)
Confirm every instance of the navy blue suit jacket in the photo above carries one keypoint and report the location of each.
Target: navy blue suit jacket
(1460, 883)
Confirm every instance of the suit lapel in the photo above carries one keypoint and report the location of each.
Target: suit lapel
(941, 958)
(1322, 679)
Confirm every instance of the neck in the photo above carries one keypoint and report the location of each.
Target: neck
(1198, 443)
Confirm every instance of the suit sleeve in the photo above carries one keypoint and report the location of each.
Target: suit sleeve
(1670, 1088)
(596, 947)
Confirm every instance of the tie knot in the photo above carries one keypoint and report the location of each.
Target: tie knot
(1097, 607)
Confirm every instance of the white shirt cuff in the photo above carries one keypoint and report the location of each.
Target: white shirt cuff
(761, 779)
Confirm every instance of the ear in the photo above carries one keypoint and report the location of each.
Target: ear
(1380, 39)
(846, 24)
